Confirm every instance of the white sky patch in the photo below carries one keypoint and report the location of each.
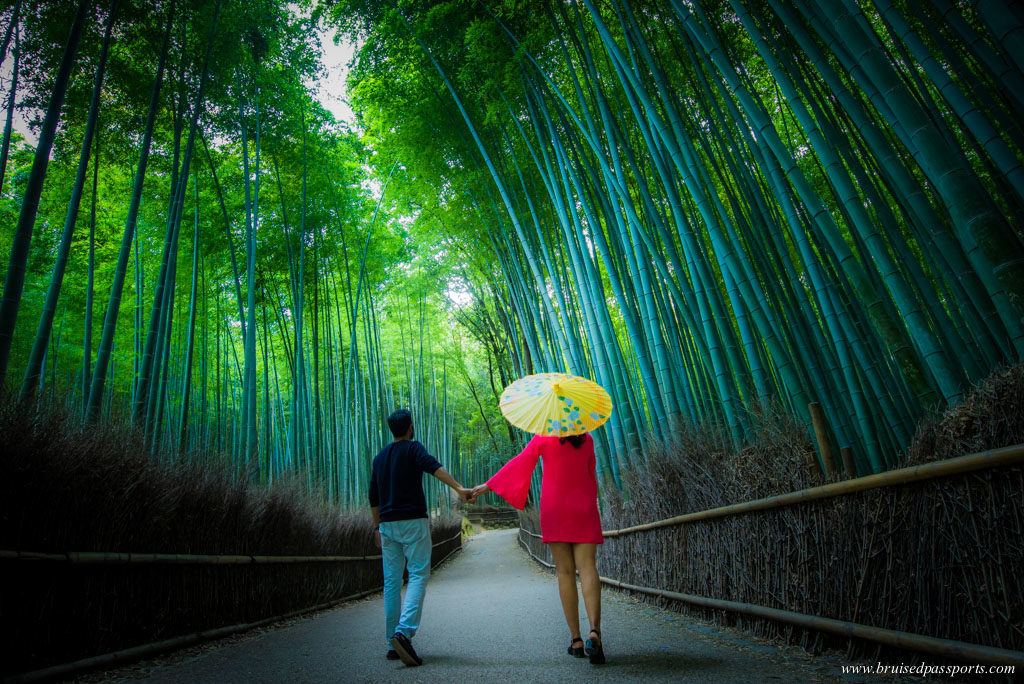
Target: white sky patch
(458, 294)
(331, 90)
(406, 220)
(19, 122)
(371, 183)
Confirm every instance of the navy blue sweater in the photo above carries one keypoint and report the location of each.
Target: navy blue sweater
(396, 485)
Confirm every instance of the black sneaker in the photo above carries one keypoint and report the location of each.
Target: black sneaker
(406, 652)
(392, 655)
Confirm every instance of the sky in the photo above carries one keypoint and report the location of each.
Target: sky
(19, 121)
(330, 91)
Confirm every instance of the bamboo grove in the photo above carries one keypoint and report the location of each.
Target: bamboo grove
(714, 207)
(196, 248)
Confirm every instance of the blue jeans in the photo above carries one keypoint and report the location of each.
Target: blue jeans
(405, 541)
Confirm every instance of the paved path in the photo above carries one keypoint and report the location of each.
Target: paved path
(492, 615)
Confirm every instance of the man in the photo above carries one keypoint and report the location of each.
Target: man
(400, 512)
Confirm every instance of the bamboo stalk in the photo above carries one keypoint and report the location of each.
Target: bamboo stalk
(849, 465)
(821, 434)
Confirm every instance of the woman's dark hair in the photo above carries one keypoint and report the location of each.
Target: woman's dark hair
(399, 422)
(575, 440)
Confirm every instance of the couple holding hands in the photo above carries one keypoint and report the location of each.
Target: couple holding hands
(569, 520)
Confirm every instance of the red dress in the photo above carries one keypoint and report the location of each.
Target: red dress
(568, 488)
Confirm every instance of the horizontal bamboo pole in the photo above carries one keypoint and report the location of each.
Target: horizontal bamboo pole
(960, 650)
(993, 458)
(532, 555)
(135, 653)
(449, 554)
(104, 558)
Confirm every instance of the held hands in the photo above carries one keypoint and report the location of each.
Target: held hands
(466, 495)
(471, 495)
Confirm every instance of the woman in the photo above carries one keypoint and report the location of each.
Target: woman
(569, 523)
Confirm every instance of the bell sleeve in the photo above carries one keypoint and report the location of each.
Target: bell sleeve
(512, 482)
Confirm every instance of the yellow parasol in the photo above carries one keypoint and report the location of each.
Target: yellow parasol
(555, 404)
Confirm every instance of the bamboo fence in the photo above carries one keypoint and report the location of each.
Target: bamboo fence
(144, 600)
(826, 560)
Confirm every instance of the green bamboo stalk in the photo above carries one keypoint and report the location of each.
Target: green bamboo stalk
(103, 355)
(34, 366)
(190, 336)
(14, 282)
(5, 147)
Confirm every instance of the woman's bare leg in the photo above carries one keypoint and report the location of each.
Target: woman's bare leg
(585, 558)
(565, 569)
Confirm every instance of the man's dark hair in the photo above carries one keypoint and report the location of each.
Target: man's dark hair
(399, 422)
(575, 440)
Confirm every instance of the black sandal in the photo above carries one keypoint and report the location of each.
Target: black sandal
(595, 650)
(577, 652)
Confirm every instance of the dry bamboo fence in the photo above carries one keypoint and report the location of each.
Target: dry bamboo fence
(68, 607)
(903, 558)
(133, 653)
(107, 558)
(127, 655)
(233, 551)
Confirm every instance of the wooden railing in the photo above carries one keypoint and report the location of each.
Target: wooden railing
(108, 660)
(106, 558)
(994, 458)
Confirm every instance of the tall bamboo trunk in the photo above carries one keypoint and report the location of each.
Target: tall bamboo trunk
(103, 355)
(14, 282)
(5, 147)
(190, 335)
(42, 337)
